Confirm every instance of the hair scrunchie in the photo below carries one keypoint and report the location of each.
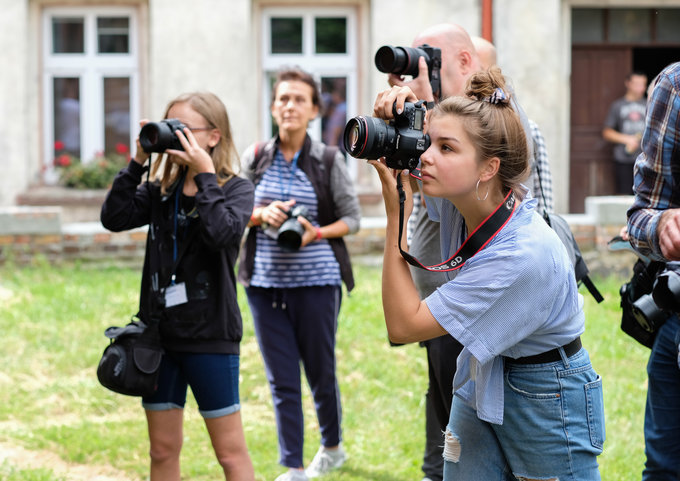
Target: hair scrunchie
(497, 97)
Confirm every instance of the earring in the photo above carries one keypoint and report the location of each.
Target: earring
(477, 191)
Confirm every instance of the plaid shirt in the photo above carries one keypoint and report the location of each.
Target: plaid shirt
(657, 168)
(542, 188)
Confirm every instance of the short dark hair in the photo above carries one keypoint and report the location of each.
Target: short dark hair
(634, 73)
(297, 74)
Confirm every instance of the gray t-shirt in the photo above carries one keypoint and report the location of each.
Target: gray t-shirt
(628, 118)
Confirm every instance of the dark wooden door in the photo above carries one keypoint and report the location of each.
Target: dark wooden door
(597, 76)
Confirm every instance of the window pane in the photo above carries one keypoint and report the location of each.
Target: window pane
(668, 25)
(113, 34)
(68, 35)
(629, 25)
(286, 35)
(117, 115)
(334, 118)
(331, 35)
(66, 93)
(586, 25)
(271, 80)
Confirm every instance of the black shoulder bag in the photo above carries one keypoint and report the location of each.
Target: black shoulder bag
(563, 231)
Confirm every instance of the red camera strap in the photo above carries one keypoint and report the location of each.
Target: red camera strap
(475, 242)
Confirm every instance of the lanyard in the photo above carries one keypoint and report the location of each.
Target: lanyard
(286, 193)
(178, 191)
(475, 242)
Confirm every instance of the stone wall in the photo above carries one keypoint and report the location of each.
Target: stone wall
(31, 232)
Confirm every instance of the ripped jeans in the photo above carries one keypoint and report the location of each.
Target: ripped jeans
(553, 427)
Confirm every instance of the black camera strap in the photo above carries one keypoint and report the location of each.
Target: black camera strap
(475, 242)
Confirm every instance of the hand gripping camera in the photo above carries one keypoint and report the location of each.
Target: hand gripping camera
(401, 142)
(404, 61)
(160, 136)
(289, 236)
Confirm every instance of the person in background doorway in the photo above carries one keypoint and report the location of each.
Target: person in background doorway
(623, 127)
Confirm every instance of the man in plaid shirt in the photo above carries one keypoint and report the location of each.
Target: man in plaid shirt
(654, 230)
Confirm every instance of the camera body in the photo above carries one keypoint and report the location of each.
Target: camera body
(404, 61)
(660, 285)
(401, 142)
(289, 235)
(160, 136)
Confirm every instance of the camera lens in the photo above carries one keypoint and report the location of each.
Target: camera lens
(369, 138)
(399, 60)
(160, 136)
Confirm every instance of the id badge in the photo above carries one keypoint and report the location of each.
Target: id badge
(175, 294)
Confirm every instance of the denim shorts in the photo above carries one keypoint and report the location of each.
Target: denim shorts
(553, 426)
(213, 379)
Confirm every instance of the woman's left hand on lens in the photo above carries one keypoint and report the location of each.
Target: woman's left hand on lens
(193, 156)
(309, 235)
(385, 102)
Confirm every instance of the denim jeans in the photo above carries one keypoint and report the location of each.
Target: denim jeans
(553, 427)
(662, 413)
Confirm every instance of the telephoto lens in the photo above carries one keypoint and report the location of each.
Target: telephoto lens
(160, 136)
(369, 138)
(399, 60)
(401, 141)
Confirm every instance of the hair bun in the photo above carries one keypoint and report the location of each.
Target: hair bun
(489, 86)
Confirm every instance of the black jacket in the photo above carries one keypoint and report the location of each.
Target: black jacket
(210, 321)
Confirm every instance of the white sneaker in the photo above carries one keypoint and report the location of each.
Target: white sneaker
(292, 475)
(325, 460)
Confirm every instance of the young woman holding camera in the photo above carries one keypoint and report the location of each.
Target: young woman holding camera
(199, 209)
(295, 296)
(527, 404)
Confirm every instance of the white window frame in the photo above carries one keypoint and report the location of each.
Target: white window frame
(319, 65)
(91, 68)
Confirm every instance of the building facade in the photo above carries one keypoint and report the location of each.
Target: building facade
(78, 75)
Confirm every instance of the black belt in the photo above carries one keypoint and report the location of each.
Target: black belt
(549, 356)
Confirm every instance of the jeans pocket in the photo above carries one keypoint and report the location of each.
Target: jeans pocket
(595, 407)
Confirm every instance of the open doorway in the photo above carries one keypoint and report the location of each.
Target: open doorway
(608, 44)
(652, 60)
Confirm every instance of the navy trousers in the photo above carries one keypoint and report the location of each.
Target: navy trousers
(292, 326)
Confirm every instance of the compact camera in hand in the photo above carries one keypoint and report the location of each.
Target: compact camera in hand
(401, 142)
(289, 236)
(404, 61)
(160, 136)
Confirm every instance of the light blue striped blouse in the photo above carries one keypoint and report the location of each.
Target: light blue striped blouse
(312, 265)
(516, 297)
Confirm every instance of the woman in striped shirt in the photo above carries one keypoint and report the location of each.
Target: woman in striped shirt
(294, 290)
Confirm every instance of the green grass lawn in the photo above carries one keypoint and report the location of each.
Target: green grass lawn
(58, 423)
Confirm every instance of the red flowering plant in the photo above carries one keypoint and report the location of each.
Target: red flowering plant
(61, 157)
(99, 172)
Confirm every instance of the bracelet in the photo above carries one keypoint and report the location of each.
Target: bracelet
(254, 220)
(318, 233)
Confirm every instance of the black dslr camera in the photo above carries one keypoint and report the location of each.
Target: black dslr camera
(404, 61)
(160, 136)
(289, 236)
(649, 299)
(401, 142)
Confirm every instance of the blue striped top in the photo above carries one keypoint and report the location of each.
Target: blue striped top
(312, 265)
